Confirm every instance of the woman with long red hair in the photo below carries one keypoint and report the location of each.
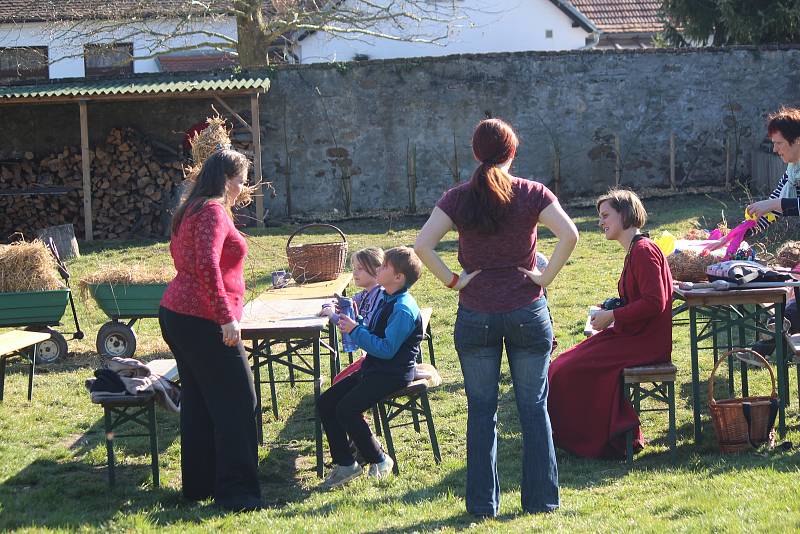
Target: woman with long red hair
(501, 302)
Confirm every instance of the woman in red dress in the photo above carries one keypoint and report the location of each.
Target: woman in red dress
(588, 409)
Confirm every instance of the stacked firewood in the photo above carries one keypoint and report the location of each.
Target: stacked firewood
(131, 189)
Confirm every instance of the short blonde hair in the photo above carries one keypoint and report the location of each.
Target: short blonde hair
(628, 204)
(405, 261)
(370, 258)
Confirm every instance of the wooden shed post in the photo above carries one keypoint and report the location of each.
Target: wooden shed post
(255, 121)
(87, 172)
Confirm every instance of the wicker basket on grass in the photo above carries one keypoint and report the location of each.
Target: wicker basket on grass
(316, 262)
(734, 432)
(688, 266)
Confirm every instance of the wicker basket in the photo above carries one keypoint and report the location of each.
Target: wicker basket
(733, 431)
(689, 267)
(316, 262)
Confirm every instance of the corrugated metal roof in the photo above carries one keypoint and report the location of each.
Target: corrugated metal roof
(135, 86)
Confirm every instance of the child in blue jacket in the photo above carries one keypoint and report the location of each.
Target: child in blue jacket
(391, 343)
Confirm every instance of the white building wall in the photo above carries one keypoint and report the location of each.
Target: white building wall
(501, 26)
(66, 51)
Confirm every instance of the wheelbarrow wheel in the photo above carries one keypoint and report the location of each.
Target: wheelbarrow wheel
(51, 350)
(116, 340)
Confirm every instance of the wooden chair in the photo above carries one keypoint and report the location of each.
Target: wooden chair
(21, 343)
(412, 399)
(139, 410)
(655, 382)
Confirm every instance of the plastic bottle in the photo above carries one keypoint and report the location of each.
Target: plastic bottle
(345, 305)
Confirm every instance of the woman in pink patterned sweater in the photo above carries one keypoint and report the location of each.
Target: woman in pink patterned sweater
(199, 318)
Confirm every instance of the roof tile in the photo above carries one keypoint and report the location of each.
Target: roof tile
(622, 16)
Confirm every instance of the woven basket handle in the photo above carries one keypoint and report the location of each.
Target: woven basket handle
(321, 225)
(711, 399)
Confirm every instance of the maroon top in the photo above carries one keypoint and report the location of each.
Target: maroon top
(500, 287)
(209, 256)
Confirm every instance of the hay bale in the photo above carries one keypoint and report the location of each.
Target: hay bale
(28, 266)
(696, 234)
(135, 274)
(789, 254)
(687, 266)
(204, 143)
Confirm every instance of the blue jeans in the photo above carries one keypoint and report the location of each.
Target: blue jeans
(528, 337)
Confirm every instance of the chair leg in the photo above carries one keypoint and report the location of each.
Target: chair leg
(672, 429)
(387, 434)
(376, 421)
(153, 428)
(629, 447)
(426, 407)
(109, 445)
(796, 366)
(414, 414)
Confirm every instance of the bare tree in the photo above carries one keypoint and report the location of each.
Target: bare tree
(262, 26)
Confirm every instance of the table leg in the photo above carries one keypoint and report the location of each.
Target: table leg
(31, 372)
(336, 365)
(257, 381)
(273, 393)
(783, 372)
(742, 344)
(695, 373)
(291, 369)
(317, 421)
(3, 375)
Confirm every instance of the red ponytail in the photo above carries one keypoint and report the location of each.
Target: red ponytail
(494, 143)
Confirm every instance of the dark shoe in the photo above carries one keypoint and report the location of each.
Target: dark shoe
(240, 505)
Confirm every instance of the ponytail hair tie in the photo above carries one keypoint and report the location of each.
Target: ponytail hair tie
(222, 146)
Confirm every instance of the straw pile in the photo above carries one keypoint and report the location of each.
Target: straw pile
(135, 274)
(696, 234)
(204, 144)
(28, 266)
(789, 254)
(688, 266)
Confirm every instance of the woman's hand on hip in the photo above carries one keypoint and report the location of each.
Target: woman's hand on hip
(465, 278)
(231, 333)
(536, 276)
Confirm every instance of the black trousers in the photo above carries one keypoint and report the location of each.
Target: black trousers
(340, 409)
(219, 444)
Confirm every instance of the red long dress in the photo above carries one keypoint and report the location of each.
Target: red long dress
(588, 410)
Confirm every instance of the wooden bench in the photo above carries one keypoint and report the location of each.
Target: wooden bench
(20, 343)
(655, 382)
(140, 410)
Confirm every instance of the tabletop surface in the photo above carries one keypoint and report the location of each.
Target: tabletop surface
(282, 315)
(19, 339)
(314, 290)
(711, 297)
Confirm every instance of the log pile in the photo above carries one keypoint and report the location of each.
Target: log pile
(130, 189)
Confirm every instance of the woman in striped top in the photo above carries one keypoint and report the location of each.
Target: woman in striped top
(783, 127)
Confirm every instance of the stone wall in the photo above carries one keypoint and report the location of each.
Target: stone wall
(364, 120)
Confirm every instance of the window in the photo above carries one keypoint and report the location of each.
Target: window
(23, 63)
(548, 34)
(108, 59)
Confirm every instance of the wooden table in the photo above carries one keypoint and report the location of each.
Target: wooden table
(314, 290)
(294, 324)
(739, 311)
(20, 343)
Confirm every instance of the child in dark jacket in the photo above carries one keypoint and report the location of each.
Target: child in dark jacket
(391, 343)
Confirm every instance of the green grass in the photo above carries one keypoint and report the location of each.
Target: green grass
(52, 455)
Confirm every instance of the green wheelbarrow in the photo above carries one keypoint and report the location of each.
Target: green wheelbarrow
(124, 304)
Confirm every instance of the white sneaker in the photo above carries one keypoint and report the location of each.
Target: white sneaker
(342, 474)
(382, 469)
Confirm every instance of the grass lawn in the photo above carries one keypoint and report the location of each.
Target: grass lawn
(52, 453)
